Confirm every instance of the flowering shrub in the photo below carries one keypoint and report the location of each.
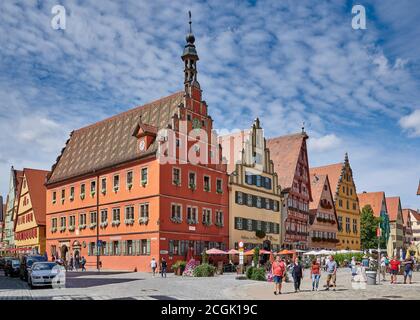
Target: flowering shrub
(189, 268)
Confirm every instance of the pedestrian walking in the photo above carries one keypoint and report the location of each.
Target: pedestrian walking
(384, 266)
(278, 269)
(83, 263)
(297, 274)
(394, 269)
(163, 266)
(408, 269)
(331, 272)
(353, 267)
(327, 260)
(315, 274)
(71, 263)
(153, 265)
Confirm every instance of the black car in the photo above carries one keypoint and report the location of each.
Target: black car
(3, 261)
(12, 267)
(26, 263)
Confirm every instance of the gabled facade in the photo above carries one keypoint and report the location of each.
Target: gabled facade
(290, 158)
(396, 241)
(323, 223)
(29, 230)
(377, 201)
(407, 228)
(254, 193)
(414, 217)
(123, 191)
(346, 202)
(12, 201)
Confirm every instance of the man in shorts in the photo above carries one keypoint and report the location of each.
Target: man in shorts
(331, 267)
(278, 269)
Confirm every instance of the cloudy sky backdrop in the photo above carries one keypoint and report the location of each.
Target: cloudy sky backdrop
(283, 61)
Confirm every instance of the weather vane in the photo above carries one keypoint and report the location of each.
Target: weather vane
(189, 14)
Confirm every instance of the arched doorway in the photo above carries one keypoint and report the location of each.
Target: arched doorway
(76, 250)
(64, 251)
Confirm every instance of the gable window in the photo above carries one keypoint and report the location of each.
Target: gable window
(176, 176)
(143, 176)
(192, 180)
(206, 183)
(129, 180)
(103, 185)
(354, 225)
(92, 188)
(176, 213)
(348, 204)
(116, 183)
(348, 225)
(340, 203)
(82, 191)
(340, 223)
(54, 197)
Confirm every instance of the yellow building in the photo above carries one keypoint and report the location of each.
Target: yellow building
(254, 194)
(346, 202)
(30, 218)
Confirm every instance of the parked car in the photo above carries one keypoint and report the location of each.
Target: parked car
(46, 274)
(12, 267)
(3, 262)
(26, 263)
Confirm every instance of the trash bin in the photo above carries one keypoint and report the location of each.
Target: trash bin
(371, 277)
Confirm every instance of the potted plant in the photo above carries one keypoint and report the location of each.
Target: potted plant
(144, 183)
(179, 267)
(192, 186)
(82, 196)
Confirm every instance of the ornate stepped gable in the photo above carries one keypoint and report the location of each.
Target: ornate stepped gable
(317, 186)
(110, 142)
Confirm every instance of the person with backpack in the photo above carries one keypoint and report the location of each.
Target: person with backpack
(278, 269)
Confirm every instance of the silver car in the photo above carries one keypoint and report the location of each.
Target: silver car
(47, 274)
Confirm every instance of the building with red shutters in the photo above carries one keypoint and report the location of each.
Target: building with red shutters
(146, 183)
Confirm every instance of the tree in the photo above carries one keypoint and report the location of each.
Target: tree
(368, 226)
(256, 256)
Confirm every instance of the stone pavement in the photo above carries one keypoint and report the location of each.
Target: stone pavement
(142, 286)
(346, 290)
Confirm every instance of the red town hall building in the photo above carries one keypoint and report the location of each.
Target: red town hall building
(290, 157)
(111, 199)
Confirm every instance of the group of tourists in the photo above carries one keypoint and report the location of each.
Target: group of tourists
(73, 263)
(394, 266)
(279, 271)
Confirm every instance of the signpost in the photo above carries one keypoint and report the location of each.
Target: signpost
(241, 257)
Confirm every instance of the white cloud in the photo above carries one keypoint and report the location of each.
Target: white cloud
(411, 123)
(324, 143)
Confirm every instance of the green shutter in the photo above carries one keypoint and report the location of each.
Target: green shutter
(148, 247)
(124, 248)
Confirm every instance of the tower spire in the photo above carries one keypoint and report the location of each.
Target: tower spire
(190, 58)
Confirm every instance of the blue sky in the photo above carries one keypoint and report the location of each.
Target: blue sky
(283, 61)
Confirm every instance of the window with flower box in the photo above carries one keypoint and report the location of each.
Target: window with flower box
(92, 188)
(116, 183)
(192, 215)
(103, 185)
(144, 176)
(144, 213)
(104, 218)
(63, 223)
(176, 176)
(82, 191)
(63, 195)
(192, 181)
(93, 219)
(72, 222)
(206, 183)
(219, 185)
(71, 193)
(129, 180)
(82, 220)
(129, 215)
(53, 224)
(219, 218)
(115, 216)
(206, 219)
(176, 213)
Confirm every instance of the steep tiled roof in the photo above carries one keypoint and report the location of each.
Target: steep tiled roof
(414, 213)
(418, 189)
(110, 142)
(37, 192)
(284, 151)
(406, 215)
(317, 186)
(392, 207)
(374, 199)
(333, 171)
